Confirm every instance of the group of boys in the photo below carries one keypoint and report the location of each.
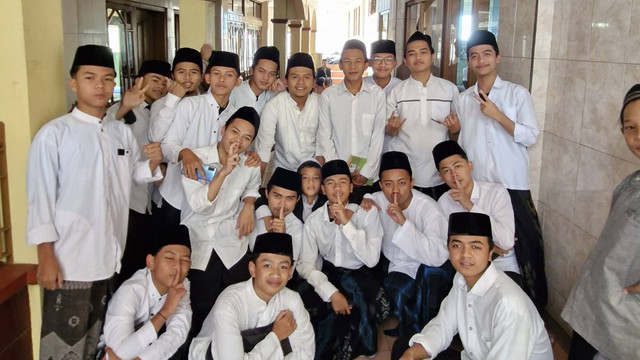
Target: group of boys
(371, 210)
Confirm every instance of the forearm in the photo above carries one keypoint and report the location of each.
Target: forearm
(215, 185)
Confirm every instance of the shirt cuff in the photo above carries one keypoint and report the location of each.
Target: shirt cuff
(171, 100)
(42, 234)
(262, 212)
(349, 229)
(421, 340)
(146, 335)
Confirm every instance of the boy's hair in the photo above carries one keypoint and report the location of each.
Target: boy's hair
(632, 95)
(419, 36)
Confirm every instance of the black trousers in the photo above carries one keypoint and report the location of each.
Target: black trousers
(167, 214)
(581, 349)
(139, 244)
(435, 191)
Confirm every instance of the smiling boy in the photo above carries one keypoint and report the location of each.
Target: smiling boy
(259, 319)
(493, 316)
(264, 71)
(383, 61)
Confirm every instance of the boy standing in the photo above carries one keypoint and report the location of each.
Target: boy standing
(259, 318)
(383, 61)
(348, 239)
(493, 316)
(420, 113)
(481, 197)
(351, 122)
(498, 125)
(414, 243)
(264, 73)
(79, 178)
(149, 317)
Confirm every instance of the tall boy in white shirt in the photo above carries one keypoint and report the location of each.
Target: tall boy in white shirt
(149, 317)
(421, 114)
(351, 119)
(481, 197)
(220, 214)
(493, 316)
(290, 119)
(348, 239)
(255, 92)
(79, 177)
(498, 124)
(260, 318)
(414, 246)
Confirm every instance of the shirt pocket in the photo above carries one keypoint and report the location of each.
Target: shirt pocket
(366, 125)
(440, 110)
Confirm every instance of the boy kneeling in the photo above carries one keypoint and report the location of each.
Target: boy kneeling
(493, 316)
(259, 317)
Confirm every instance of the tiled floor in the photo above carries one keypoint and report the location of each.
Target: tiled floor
(385, 343)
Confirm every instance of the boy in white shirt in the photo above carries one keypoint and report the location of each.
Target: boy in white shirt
(383, 61)
(493, 316)
(348, 239)
(79, 176)
(311, 198)
(260, 318)
(149, 317)
(256, 91)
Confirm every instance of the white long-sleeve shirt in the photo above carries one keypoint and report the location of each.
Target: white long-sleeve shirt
(197, 124)
(351, 246)
(140, 193)
(79, 178)
(352, 125)
(420, 106)
(421, 240)
(392, 83)
(495, 320)
(496, 155)
(493, 200)
(243, 96)
(293, 227)
(132, 307)
(212, 224)
(238, 308)
(292, 130)
(163, 111)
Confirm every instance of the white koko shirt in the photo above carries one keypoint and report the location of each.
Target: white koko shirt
(128, 329)
(496, 155)
(350, 246)
(421, 240)
(421, 106)
(243, 96)
(293, 131)
(163, 111)
(238, 308)
(495, 320)
(79, 178)
(352, 125)
(293, 227)
(392, 83)
(197, 124)
(493, 200)
(212, 224)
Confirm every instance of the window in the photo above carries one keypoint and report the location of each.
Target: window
(356, 21)
(373, 6)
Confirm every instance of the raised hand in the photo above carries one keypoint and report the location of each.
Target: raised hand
(460, 196)
(338, 210)
(175, 88)
(253, 159)
(451, 122)
(174, 295)
(284, 325)
(368, 204)
(395, 212)
(233, 158)
(278, 224)
(487, 106)
(358, 180)
(49, 273)
(394, 124)
(134, 96)
(191, 164)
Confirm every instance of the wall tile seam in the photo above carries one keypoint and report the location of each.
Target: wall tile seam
(588, 147)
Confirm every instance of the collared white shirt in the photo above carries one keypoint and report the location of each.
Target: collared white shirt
(352, 125)
(197, 124)
(132, 307)
(163, 111)
(140, 193)
(392, 83)
(421, 240)
(496, 155)
(293, 227)
(79, 177)
(243, 96)
(212, 224)
(421, 106)
(237, 309)
(350, 246)
(493, 200)
(307, 208)
(495, 320)
(292, 130)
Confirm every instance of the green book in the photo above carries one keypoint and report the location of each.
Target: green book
(356, 163)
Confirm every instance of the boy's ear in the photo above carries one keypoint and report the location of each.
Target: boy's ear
(151, 262)
(324, 192)
(252, 268)
(73, 84)
(207, 77)
(239, 81)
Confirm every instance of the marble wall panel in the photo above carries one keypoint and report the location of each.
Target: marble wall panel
(565, 98)
(558, 174)
(609, 30)
(632, 55)
(523, 34)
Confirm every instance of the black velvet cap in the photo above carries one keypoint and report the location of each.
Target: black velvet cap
(273, 243)
(419, 36)
(300, 59)
(335, 167)
(383, 47)
(469, 223)
(444, 150)
(155, 67)
(95, 55)
(171, 235)
(267, 53)
(187, 55)
(224, 58)
(249, 114)
(632, 95)
(482, 37)
(354, 44)
(286, 179)
(392, 160)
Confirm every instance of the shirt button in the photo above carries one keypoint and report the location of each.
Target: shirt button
(470, 328)
(469, 305)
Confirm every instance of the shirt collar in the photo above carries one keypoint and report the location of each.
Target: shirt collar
(80, 115)
(485, 282)
(364, 88)
(497, 84)
(154, 295)
(254, 300)
(475, 193)
(419, 83)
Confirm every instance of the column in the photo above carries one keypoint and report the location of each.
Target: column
(305, 40)
(294, 29)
